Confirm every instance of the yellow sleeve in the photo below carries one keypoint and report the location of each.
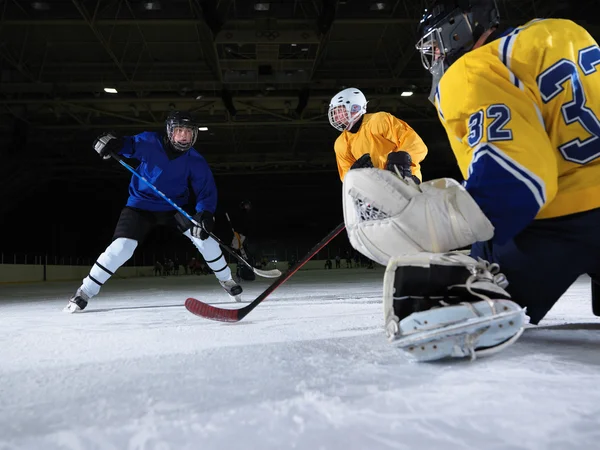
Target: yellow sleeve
(406, 139)
(343, 156)
(499, 138)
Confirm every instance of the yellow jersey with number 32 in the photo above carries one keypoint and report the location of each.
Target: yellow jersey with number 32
(522, 115)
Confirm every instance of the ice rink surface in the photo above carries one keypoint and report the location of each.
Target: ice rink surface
(310, 368)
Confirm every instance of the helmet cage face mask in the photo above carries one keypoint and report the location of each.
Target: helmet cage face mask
(187, 124)
(344, 116)
(447, 40)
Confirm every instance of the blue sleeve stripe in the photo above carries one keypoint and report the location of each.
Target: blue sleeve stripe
(439, 103)
(505, 48)
(534, 183)
(509, 195)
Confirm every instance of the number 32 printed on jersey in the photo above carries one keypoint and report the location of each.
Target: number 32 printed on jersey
(551, 82)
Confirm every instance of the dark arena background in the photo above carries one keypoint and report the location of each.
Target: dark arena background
(258, 76)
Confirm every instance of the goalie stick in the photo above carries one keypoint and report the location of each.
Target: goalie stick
(262, 273)
(235, 315)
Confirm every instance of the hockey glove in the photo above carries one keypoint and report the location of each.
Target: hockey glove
(207, 222)
(399, 160)
(363, 162)
(108, 143)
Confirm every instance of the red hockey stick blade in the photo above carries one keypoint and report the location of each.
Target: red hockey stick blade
(207, 311)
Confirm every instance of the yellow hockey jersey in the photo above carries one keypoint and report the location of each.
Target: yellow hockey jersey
(379, 134)
(522, 115)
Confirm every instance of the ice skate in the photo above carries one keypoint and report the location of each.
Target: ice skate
(233, 289)
(77, 303)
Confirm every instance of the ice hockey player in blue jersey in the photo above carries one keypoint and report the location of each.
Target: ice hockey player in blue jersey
(169, 161)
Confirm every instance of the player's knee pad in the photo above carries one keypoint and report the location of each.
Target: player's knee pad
(119, 251)
(448, 305)
(207, 247)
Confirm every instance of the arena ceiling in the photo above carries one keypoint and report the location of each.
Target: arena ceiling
(258, 75)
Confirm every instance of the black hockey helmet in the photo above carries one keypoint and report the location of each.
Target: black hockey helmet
(450, 28)
(453, 27)
(181, 119)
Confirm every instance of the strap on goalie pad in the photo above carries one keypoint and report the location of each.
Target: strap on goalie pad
(448, 305)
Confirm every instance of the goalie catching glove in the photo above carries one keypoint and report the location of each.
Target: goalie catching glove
(440, 305)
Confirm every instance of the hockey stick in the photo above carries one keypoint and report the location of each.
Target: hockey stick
(242, 251)
(235, 315)
(262, 273)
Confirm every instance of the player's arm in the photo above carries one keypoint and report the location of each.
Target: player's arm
(127, 146)
(205, 190)
(343, 157)
(513, 170)
(406, 139)
(513, 174)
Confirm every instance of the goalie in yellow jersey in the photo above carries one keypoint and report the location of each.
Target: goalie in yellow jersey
(373, 140)
(521, 111)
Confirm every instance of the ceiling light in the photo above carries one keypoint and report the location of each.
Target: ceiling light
(110, 90)
(203, 128)
(40, 6)
(261, 6)
(406, 93)
(152, 6)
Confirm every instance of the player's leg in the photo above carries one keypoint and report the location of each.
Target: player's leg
(439, 305)
(213, 255)
(545, 259)
(132, 227)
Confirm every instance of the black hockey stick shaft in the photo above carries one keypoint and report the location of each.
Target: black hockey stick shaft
(236, 235)
(262, 273)
(235, 315)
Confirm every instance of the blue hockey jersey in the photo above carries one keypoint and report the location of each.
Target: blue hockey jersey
(173, 177)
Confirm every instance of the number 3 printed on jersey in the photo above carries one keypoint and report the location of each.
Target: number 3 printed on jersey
(500, 115)
(551, 83)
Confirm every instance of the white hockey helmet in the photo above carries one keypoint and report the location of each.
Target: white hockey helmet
(346, 107)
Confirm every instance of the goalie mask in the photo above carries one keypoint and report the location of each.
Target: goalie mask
(182, 130)
(450, 29)
(346, 107)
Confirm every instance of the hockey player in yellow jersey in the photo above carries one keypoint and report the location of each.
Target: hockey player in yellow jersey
(521, 111)
(372, 140)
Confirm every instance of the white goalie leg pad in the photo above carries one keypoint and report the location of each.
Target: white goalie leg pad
(386, 215)
(472, 328)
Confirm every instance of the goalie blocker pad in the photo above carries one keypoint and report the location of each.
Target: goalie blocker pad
(438, 306)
